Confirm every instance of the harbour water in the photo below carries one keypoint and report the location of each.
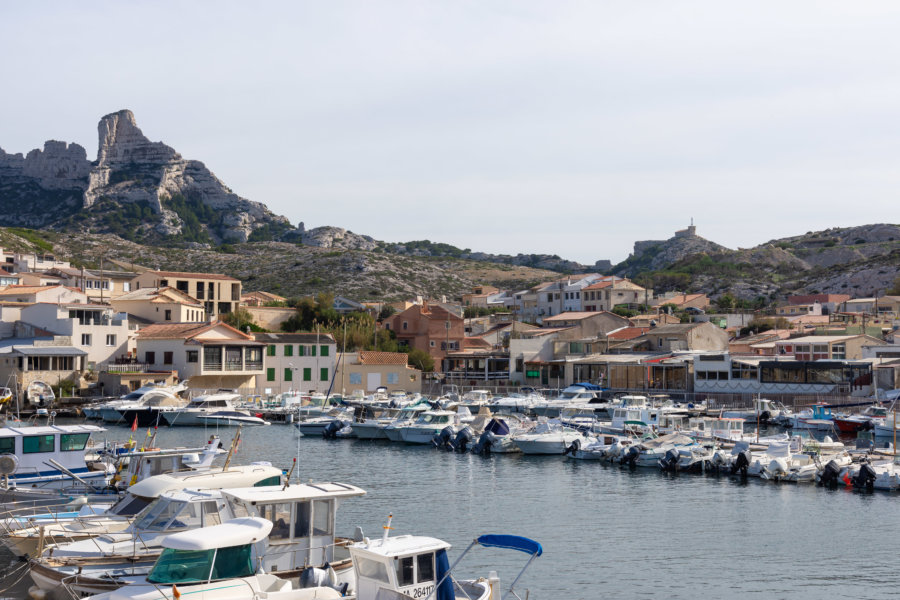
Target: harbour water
(606, 531)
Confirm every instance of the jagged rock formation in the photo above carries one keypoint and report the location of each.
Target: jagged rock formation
(336, 237)
(652, 255)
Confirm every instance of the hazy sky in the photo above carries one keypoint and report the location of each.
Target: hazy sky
(572, 128)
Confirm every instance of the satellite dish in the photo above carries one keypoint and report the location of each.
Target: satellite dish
(8, 464)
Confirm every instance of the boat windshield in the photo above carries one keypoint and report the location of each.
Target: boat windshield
(161, 513)
(193, 566)
(129, 506)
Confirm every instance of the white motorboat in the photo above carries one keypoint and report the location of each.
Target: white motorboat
(576, 394)
(818, 417)
(204, 405)
(548, 437)
(650, 451)
(519, 403)
(145, 404)
(498, 436)
(335, 420)
(763, 410)
(40, 393)
(231, 418)
(599, 447)
(429, 424)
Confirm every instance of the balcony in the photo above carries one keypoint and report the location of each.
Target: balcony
(232, 359)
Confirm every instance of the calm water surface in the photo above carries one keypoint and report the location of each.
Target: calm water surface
(606, 531)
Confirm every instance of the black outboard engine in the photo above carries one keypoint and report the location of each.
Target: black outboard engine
(741, 463)
(463, 439)
(865, 479)
(312, 577)
(764, 417)
(867, 425)
(669, 462)
(483, 446)
(331, 430)
(573, 448)
(443, 439)
(830, 474)
(631, 455)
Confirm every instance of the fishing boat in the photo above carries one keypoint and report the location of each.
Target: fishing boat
(864, 421)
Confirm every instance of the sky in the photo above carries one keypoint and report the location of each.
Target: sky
(569, 128)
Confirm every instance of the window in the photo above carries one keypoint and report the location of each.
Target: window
(150, 357)
(371, 569)
(839, 351)
(301, 526)
(355, 378)
(270, 350)
(110, 339)
(168, 316)
(193, 356)
(126, 286)
(405, 571)
(425, 564)
(270, 374)
(274, 480)
(405, 325)
(85, 339)
(288, 374)
(321, 524)
(167, 358)
(301, 350)
(280, 515)
(8, 445)
(307, 374)
(69, 442)
(33, 444)
(182, 566)
(323, 351)
(288, 349)
(431, 343)
(323, 374)
(393, 378)
(312, 350)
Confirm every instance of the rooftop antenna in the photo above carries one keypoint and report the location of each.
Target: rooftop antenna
(387, 528)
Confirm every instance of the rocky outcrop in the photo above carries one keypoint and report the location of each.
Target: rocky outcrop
(335, 237)
(653, 255)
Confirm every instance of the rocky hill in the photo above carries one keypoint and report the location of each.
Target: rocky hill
(861, 261)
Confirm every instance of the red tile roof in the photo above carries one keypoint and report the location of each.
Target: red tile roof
(184, 331)
(193, 275)
(628, 333)
(367, 357)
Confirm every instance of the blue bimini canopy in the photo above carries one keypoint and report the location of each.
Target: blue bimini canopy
(513, 542)
(589, 386)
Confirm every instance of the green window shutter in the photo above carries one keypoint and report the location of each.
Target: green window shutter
(288, 350)
(301, 350)
(270, 374)
(312, 350)
(288, 375)
(324, 374)
(270, 351)
(307, 374)
(323, 351)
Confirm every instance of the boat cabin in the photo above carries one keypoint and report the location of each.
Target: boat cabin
(214, 401)
(147, 463)
(302, 518)
(32, 449)
(436, 417)
(408, 564)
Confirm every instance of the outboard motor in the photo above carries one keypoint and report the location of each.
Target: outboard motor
(443, 439)
(483, 446)
(463, 439)
(331, 430)
(574, 447)
(669, 462)
(865, 478)
(866, 426)
(830, 474)
(630, 456)
(312, 577)
(764, 417)
(740, 464)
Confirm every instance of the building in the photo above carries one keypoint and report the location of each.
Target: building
(100, 286)
(683, 301)
(611, 292)
(364, 372)
(8, 278)
(220, 294)
(795, 310)
(825, 347)
(431, 328)
(586, 324)
(97, 329)
(260, 298)
(682, 337)
(161, 305)
(210, 355)
(479, 295)
(41, 293)
(297, 361)
(723, 373)
(345, 305)
(51, 359)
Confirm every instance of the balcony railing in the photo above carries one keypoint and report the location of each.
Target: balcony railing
(128, 368)
(475, 374)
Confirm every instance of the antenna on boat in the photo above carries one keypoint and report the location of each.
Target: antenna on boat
(234, 445)
(387, 528)
(287, 480)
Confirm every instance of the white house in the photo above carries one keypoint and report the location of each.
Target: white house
(297, 361)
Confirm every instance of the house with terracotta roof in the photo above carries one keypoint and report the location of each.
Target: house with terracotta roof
(161, 305)
(42, 293)
(220, 294)
(301, 362)
(586, 324)
(429, 327)
(47, 358)
(365, 371)
(7, 278)
(261, 298)
(211, 355)
(682, 301)
(610, 292)
(99, 285)
(682, 337)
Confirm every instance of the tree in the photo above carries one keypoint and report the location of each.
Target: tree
(386, 311)
(420, 360)
(894, 291)
(241, 319)
(726, 302)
